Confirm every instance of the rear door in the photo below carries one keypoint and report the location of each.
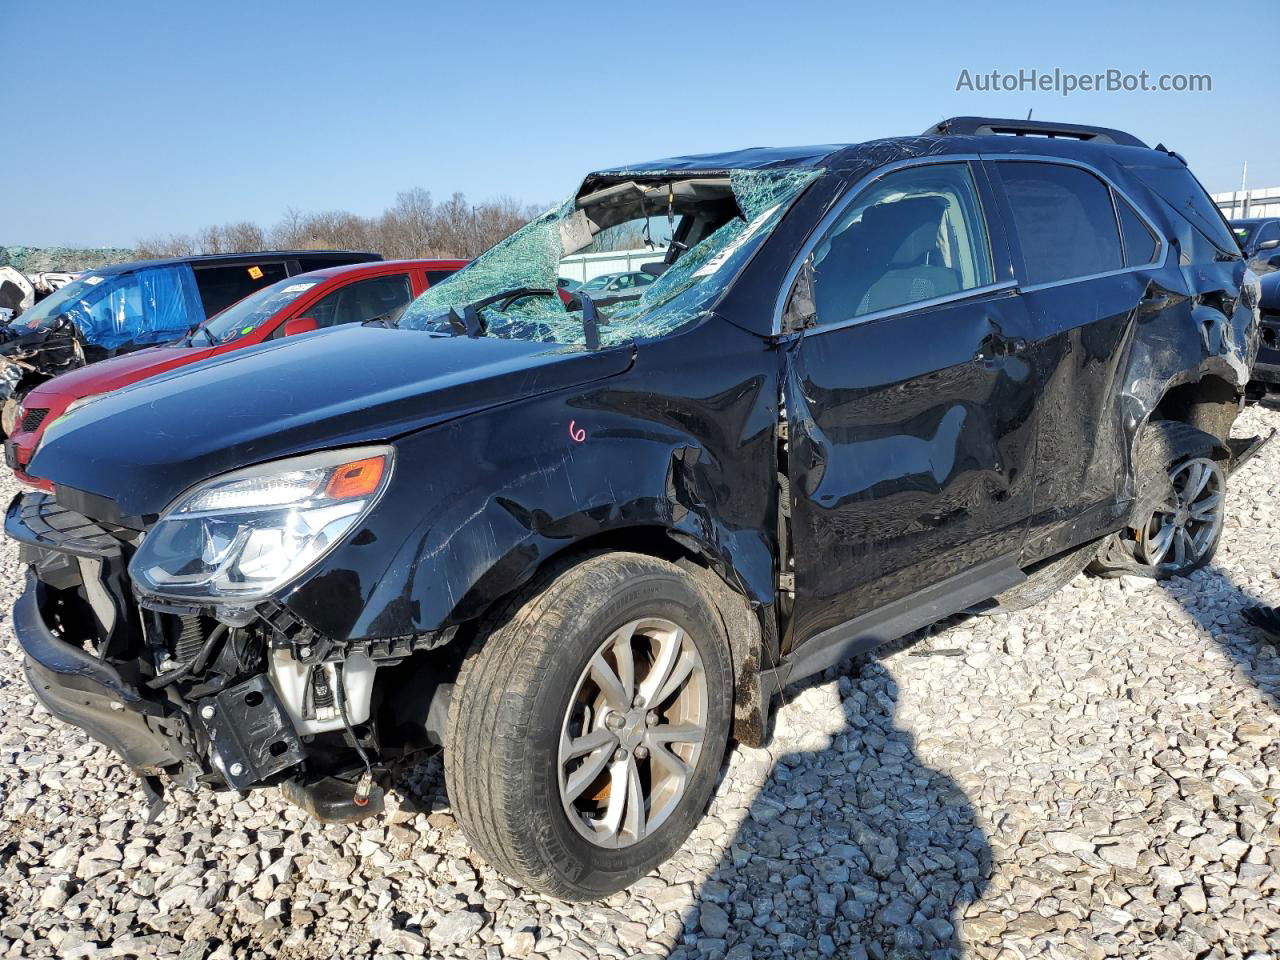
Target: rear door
(1086, 261)
(911, 412)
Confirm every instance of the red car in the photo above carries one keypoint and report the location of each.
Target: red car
(297, 304)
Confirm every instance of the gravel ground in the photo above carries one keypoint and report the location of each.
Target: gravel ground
(1093, 777)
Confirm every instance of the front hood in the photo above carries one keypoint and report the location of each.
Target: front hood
(116, 372)
(146, 443)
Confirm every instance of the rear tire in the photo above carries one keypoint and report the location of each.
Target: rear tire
(529, 772)
(1178, 513)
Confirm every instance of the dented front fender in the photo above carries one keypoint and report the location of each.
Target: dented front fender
(684, 443)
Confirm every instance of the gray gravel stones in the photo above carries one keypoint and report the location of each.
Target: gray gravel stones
(1095, 777)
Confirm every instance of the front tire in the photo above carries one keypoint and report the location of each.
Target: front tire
(588, 725)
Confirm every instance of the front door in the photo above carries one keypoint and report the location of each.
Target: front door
(911, 408)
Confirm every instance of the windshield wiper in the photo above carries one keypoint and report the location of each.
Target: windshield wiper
(470, 324)
(590, 321)
(196, 331)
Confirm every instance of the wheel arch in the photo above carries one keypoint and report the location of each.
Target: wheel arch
(1209, 404)
(748, 622)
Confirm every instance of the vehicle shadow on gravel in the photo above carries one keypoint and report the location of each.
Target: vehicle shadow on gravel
(1214, 601)
(852, 850)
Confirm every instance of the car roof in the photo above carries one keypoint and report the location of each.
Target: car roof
(219, 259)
(751, 158)
(1250, 221)
(957, 135)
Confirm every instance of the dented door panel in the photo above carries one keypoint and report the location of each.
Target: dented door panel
(1108, 351)
(1085, 331)
(907, 465)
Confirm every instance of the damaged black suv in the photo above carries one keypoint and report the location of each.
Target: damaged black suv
(580, 549)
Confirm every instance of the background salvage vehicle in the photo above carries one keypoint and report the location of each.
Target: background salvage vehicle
(355, 293)
(614, 284)
(128, 306)
(1259, 238)
(1266, 369)
(873, 385)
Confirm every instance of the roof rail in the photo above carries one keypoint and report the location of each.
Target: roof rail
(993, 126)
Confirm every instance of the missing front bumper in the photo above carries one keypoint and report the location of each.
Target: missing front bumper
(150, 735)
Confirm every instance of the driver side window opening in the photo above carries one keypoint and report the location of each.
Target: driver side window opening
(912, 236)
(361, 301)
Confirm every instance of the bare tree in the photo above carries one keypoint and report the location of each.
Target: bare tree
(243, 237)
(174, 245)
(414, 226)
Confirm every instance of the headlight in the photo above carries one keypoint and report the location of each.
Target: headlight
(79, 402)
(242, 536)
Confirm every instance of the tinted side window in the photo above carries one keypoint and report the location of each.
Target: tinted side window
(914, 235)
(1139, 242)
(362, 301)
(1065, 223)
(308, 262)
(222, 286)
(435, 276)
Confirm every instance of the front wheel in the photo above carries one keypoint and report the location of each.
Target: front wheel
(588, 727)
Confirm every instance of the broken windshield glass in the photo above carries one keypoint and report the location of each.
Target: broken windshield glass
(713, 223)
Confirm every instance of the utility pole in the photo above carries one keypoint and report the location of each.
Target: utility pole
(1244, 193)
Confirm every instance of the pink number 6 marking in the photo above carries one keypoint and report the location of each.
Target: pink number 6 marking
(577, 433)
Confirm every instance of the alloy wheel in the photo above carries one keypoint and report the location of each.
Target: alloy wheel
(632, 732)
(1184, 527)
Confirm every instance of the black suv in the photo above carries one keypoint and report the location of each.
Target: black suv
(871, 386)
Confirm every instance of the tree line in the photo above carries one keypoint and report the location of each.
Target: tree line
(414, 226)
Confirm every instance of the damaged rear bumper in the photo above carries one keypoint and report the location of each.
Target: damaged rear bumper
(78, 688)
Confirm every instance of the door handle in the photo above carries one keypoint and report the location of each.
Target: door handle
(1155, 302)
(997, 345)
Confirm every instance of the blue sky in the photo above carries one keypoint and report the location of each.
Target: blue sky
(177, 115)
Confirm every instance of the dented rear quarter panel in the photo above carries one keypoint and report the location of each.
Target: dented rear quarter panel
(1105, 359)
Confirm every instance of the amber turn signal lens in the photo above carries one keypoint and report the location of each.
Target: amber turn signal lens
(356, 479)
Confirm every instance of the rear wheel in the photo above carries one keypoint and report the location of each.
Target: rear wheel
(1180, 509)
(587, 729)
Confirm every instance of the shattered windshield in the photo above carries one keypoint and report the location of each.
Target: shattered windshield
(88, 289)
(690, 231)
(247, 315)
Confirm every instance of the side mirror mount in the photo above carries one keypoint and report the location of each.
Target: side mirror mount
(801, 311)
(300, 325)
